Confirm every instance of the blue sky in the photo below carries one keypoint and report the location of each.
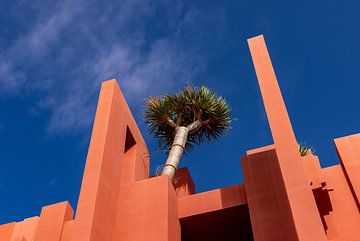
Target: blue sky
(54, 55)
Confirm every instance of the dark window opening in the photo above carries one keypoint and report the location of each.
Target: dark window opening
(129, 141)
(230, 224)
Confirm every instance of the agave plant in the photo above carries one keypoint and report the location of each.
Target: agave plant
(183, 120)
(304, 149)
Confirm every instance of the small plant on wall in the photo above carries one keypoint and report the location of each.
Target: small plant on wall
(305, 149)
(185, 119)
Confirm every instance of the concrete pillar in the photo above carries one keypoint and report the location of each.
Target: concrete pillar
(306, 221)
(118, 201)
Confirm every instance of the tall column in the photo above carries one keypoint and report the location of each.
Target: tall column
(307, 222)
(117, 155)
(118, 200)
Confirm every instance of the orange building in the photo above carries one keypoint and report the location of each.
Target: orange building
(285, 197)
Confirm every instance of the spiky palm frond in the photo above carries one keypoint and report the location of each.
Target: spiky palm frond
(304, 149)
(163, 114)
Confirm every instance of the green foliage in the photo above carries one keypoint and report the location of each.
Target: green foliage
(190, 104)
(304, 149)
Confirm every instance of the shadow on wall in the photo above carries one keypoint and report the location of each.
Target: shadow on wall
(323, 204)
(230, 224)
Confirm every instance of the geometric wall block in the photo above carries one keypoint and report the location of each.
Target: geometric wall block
(51, 221)
(6, 231)
(269, 206)
(67, 231)
(210, 201)
(25, 229)
(183, 182)
(147, 211)
(285, 197)
(313, 170)
(295, 184)
(348, 149)
(117, 157)
(337, 206)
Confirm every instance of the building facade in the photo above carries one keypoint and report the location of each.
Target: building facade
(285, 197)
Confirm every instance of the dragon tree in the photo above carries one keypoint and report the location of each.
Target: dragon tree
(185, 119)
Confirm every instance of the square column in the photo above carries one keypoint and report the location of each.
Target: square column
(298, 195)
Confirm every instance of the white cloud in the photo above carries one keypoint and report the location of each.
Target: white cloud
(30, 47)
(10, 80)
(66, 55)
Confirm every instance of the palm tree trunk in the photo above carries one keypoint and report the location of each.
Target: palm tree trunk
(176, 151)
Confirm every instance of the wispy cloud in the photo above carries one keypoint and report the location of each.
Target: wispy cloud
(52, 182)
(31, 48)
(66, 54)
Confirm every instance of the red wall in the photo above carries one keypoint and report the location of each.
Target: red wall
(284, 197)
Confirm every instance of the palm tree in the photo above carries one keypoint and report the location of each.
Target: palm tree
(185, 119)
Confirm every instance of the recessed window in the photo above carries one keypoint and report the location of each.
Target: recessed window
(129, 141)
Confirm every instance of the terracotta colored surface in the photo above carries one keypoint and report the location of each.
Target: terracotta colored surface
(114, 203)
(17, 234)
(313, 170)
(269, 207)
(6, 231)
(307, 223)
(51, 221)
(211, 201)
(148, 212)
(260, 149)
(285, 197)
(348, 149)
(67, 231)
(117, 156)
(25, 229)
(183, 182)
(342, 216)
